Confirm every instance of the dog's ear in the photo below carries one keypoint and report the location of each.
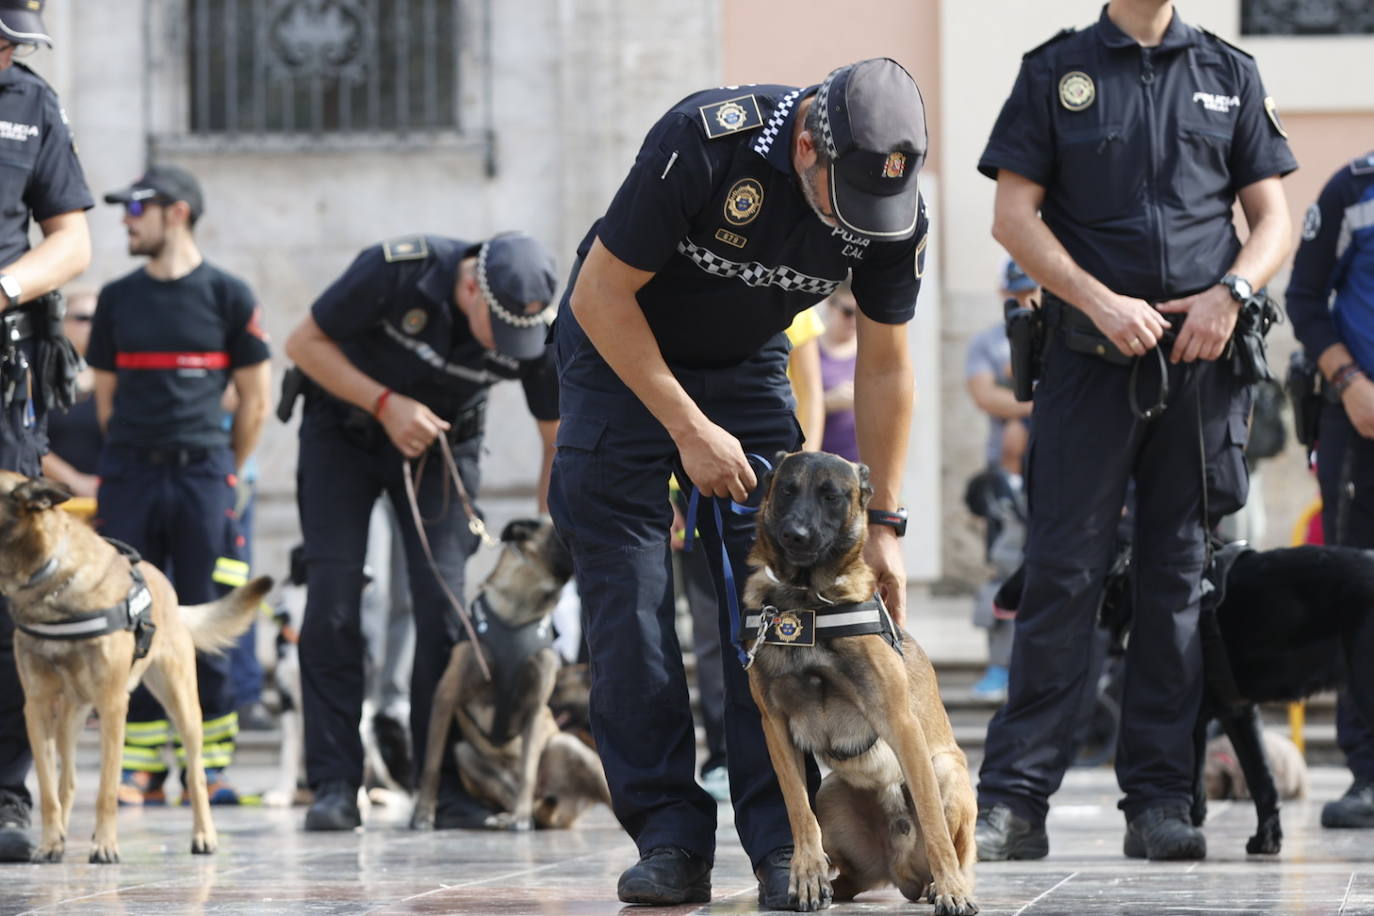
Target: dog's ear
(37, 495)
(519, 530)
(865, 487)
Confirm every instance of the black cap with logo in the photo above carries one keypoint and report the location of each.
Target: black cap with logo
(514, 270)
(162, 184)
(873, 130)
(21, 21)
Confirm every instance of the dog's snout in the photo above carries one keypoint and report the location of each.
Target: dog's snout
(795, 536)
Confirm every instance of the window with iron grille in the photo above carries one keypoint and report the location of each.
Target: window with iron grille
(337, 67)
(1306, 17)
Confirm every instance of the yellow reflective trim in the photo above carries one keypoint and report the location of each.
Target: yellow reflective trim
(134, 728)
(140, 766)
(226, 726)
(229, 571)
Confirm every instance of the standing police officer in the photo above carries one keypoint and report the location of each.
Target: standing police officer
(745, 206)
(399, 351)
(1337, 256)
(41, 179)
(165, 342)
(1117, 159)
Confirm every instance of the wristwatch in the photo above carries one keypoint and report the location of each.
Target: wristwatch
(895, 519)
(1240, 288)
(10, 287)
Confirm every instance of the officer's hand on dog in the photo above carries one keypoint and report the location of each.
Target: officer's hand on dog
(1211, 317)
(883, 553)
(1358, 400)
(1132, 325)
(411, 426)
(715, 462)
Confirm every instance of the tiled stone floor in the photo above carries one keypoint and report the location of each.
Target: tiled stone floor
(266, 865)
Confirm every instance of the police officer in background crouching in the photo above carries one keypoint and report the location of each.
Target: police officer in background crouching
(1117, 160)
(42, 180)
(399, 352)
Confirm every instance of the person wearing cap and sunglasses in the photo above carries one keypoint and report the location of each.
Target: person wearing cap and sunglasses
(166, 340)
(42, 181)
(1118, 158)
(399, 351)
(745, 206)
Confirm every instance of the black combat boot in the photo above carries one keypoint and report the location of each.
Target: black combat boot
(666, 876)
(335, 807)
(15, 813)
(1353, 809)
(1002, 834)
(1164, 831)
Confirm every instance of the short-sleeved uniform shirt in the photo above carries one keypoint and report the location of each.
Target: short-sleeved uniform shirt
(39, 171)
(393, 315)
(713, 207)
(1141, 151)
(1336, 255)
(990, 351)
(173, 345)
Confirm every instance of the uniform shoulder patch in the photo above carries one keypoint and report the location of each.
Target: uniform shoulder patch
(1363, 165)
(1058, 36)
(406, 248)
(731, 116)
(1222, 41)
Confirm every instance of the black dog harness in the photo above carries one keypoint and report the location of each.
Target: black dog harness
(134, 613)
(804, 626)
(507, 649)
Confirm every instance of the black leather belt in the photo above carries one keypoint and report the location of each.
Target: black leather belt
(172, 457)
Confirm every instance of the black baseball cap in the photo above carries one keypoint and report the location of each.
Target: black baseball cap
(162, 184)
(21, 21)
(873, 129)
(514, 270)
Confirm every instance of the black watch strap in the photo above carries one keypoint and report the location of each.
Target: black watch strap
(894, 519)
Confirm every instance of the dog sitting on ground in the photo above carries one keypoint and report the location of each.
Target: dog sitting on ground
(897, 806)
(1280, 626)
(1223, 777)
(92, 621)
(511, 751)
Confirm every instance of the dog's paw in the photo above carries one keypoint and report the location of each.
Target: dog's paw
(49, 852)
(422, 819)
(954, 905)
(104, 854)
(809, 883)
(203, 844)
(1267, 841)
(507, 820)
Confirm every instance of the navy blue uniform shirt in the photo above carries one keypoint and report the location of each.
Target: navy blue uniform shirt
(173, 345)
(714, 209)
(393, 315)
(1141, 151)
(41, 174)
(1337, 255)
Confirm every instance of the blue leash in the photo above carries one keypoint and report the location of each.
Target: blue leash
(731, 599)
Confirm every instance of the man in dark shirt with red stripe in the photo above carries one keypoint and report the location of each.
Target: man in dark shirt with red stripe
(165, 342)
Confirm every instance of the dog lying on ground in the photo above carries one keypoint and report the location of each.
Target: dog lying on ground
(1289, 623)
(897, 806)
(90, 625)
(512, 752)
(1223, 778)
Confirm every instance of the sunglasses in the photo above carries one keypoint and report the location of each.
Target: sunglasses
(139, 207)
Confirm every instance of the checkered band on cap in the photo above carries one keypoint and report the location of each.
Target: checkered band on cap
(500, 311)
(770, 131)
(823, 112)
(755, 274)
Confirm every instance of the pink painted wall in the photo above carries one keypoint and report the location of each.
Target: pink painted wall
(1322, 143)
(799, 42)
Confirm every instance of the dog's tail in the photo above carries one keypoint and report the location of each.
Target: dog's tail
(216, 625)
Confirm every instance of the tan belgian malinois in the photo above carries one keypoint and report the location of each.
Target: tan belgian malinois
(831, 675)
(90, 625)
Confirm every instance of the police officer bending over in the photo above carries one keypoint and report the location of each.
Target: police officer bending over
(41, 179)
(1117, 159)
(401, 350)
(744, 207)
(1337, 256)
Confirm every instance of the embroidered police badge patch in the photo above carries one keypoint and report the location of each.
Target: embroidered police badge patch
(410, 248)
(414, 321)
(731, 116)
(1076, 90)
(1272, 111)
(793, 628)
(743, 202)
(1311, 223)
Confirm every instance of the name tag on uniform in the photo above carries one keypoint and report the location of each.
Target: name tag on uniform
(731, 116)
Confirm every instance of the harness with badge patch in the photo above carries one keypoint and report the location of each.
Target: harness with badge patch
(804, 626)
(134, 613)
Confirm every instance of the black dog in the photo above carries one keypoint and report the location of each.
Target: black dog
(1280, 626)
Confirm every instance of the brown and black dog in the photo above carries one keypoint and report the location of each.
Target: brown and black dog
(58, 575)
(897, 806)
(512, 754)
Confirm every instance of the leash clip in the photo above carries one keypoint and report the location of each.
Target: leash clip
(768, 615)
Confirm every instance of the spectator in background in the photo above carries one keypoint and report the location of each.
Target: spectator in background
(74, 436)
(839, 346)
(997, 493)
(804, 371)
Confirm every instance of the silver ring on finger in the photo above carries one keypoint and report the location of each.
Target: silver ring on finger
(1135, 343)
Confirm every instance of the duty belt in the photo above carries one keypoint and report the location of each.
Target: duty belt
(18, 324)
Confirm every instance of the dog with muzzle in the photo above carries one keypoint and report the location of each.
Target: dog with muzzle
(92, 621)
(833, 676)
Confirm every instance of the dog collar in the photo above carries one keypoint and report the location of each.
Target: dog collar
(804, 626)
(134, 613)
